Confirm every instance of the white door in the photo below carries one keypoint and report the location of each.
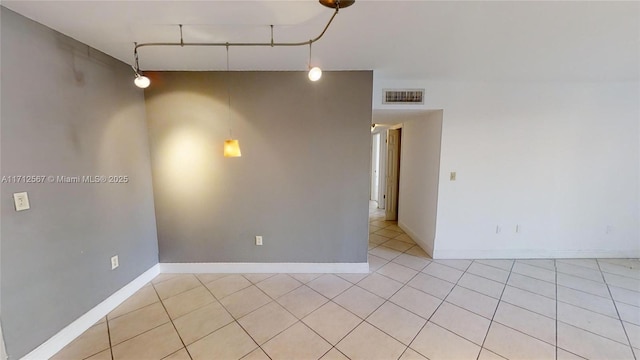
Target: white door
(375, 166)
(393, 174)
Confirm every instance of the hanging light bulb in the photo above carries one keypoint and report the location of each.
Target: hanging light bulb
(315, 73)
(231, 146)
(142, 81)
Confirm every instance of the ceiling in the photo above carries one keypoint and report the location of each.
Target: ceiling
(446, 40)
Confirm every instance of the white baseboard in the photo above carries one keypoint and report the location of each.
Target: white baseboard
(84, 322)
(425, 245)
(533, 254)
(248, 268)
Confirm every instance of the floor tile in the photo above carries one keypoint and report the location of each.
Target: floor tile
(488, 272)
(397, 245)
(435, 342)
(577, 283)
(353, 278)
(413, 262)
(525, 321)
(181, 354)
(380, 285)
(163, 277)
(397, 322)
(137, 322)
(397, 272)
(548, 264)
(103, 355)
(503, 264)
(431, 285)
(442, 272)
(305, 278)
(256, 278)
(202, 322)
(385, 253)
(629, 313)
(481, 285)
(590, 345)
(461, 265)
(297, 342)
(633, 332)
(153, 344)
(530, 301)
(376, 262)
(587, 263)
(368, 343)
(587, 301)
(580, 271)
(378, 239)
(207, 278)
(565, 355)
(278, 285)
(245, 301)
(480, 304)
(513, 344)
(176, 284)
(92, 341)
(416, 301)
(406, 238)
(388, 233)
(373, 228)
(257, 354)
(267, 322)
(622, 282)
(462, 322)
(302, 301)
(419, 252)
(143, 297)
(534, 272)
(329, 285)
(588, 320)
(411, 354)
(631, 270)
(625, 296)
(334, 354)
(332, 322)
(230, 342)
(228, 285)
(188, 301)
(489, 355)
(532, 285)
(359, 301)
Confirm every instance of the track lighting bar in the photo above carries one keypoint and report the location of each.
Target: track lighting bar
(334, 4)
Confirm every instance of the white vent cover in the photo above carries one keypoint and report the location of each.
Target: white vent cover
(403, 96)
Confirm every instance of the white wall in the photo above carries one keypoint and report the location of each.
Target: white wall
(419, 170)
(559, 160)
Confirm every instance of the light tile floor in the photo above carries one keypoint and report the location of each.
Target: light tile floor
(408, 307)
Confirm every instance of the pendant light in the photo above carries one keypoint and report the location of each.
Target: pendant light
(315, 73)
(140, 81)
(231, 146)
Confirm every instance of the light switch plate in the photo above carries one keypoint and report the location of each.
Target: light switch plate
(452, 176)
(21, 200)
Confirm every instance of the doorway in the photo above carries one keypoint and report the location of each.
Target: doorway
(375, 167)
(392, 174)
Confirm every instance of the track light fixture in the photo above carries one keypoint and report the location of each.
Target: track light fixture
(314, 73)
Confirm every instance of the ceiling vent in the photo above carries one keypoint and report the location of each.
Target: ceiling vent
(403, 96)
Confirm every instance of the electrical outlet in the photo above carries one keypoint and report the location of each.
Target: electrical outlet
(258, 240)
(114, 262)
(498, 229)
(452, 176)
(21, 201)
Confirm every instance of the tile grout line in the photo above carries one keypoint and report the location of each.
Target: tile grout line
(619, 317)
(106, 319)
(434, 311)
(171, 320)
(495, 311)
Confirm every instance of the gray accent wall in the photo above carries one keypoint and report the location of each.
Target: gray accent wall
(68, 110)
(302, 181)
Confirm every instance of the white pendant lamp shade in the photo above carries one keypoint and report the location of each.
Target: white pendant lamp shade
(142, 81)
(315, 73)
(232, 148)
